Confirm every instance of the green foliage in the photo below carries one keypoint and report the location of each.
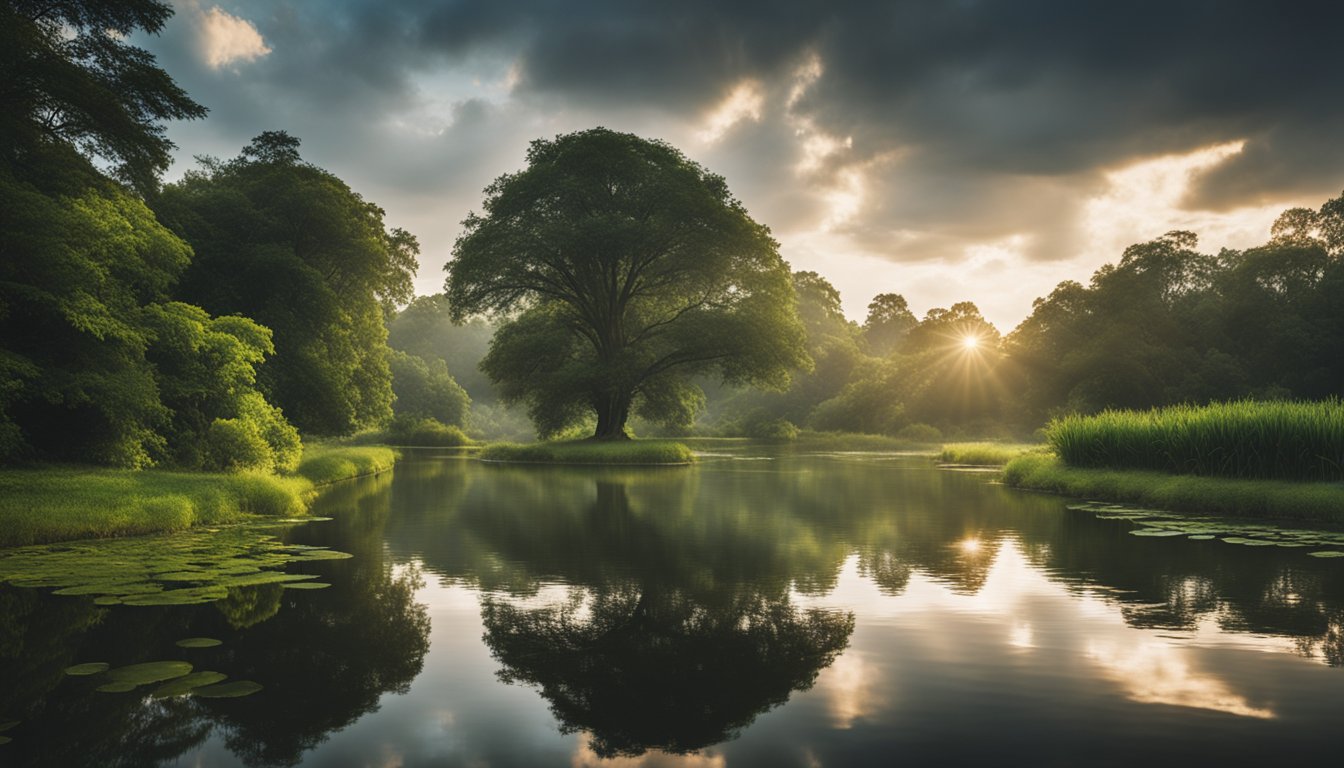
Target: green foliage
(71, 78)
(424, 432)
(591, 452)
(323, 464)
(60, 503)
(920, 433)
(986, 454)
(760, 425)
(1246, 439)
(234, 445)
(425, 390)
(1247, 498)
(291, 246)
(889, 322)
(631, 270)
(425, 328)
(81, 260)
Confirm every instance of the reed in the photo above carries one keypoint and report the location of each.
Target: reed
(1244, 439)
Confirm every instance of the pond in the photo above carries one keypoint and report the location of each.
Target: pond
(761, 608)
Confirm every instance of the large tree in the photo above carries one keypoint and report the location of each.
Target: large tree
(624, 269)
(69, 75)
(293, 247)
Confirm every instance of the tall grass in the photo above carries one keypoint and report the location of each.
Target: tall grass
(985, 454)
(323, 464)
(1244, 439)
(60, 503)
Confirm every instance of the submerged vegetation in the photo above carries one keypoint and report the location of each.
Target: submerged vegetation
(591, 452)
(1266, 440)
(1229, 496)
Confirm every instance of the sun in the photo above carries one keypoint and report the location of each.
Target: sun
(970, 342)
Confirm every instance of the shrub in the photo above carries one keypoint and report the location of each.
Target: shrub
(920, 433)
(235, 445)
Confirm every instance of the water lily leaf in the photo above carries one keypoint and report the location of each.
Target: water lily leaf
(1248, 542)
(1155, 532)
(199, 642)
(307, 585)
(116, 687)
(5, 740)
(192, 596)
(6, 725)
(227, 690)
(90, 668)
(320, 554)
(1327, 553)
(1202, 537)
(149, 672)
(187, 684)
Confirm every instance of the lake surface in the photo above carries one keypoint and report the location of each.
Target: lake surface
(754, 610)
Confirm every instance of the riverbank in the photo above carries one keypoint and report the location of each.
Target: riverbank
(1281, 499)
(616, 453)
(60, 503)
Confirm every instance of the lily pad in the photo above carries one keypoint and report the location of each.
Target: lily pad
(307, 585)
(231, 690)
(1327, 553)
(116, 687)
(89, 668)
(149, 672)
(1201, 537)
(199, 642)
(6, 725)
(5, 740)
(1248, 542)
(1155, 532)
(187, 684)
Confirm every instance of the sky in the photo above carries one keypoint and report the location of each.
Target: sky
(963, 150)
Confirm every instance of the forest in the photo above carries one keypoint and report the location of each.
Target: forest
(210, 322)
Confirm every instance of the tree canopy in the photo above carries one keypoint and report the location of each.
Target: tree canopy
(68, 75)
(623, 269)
(292, 246)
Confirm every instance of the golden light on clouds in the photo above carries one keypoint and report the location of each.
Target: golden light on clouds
(743, 102)
(226, 40)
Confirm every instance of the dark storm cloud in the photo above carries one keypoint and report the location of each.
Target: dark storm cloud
(970, 120)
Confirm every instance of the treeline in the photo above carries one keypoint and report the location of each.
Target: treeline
(1167, 324)
(203, 324)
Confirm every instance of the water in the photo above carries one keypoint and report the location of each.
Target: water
(794, 610)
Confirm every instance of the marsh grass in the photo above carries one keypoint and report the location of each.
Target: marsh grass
(61, 503)
(1246, 439)
(1323, 502)
(986, 454)
(323, 464)
(591, 452)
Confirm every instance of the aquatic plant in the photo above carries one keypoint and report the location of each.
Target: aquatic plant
(1245, 439)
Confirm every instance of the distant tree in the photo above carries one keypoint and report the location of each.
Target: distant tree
(426, 390)
(889, 320)
(68, 75)
(625, 269)
(292, 246)
(425, 328)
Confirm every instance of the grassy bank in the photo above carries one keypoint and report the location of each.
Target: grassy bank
(417, 433)
(1247, 439)
(1322, 502)
(46, 504)
(588, 452)
(986, 454)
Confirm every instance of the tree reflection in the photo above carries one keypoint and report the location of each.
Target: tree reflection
(664, 642)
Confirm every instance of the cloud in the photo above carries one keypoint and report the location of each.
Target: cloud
(227, 40)
(878, 139)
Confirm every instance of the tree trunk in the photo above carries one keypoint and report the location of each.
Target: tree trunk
(613, 409)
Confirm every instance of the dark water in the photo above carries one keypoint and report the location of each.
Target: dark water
(803, 610)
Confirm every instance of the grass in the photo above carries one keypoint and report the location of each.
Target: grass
(418, 433)
(591, 452)
(323, 464)
(60, 503)
(1246, 439)
(986, 454)
(1321, 502)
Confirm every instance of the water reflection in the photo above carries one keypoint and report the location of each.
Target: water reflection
(802, 610)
